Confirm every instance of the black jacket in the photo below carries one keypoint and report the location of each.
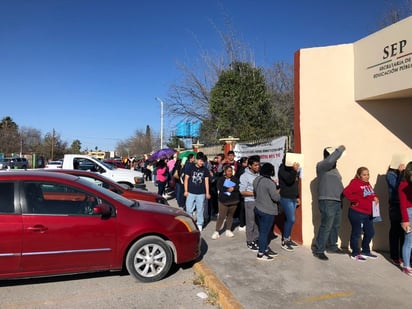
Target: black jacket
(234, 196)
(288, 182)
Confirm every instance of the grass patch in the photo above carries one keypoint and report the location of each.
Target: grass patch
(213, 296)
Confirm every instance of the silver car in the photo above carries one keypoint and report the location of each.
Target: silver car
(16, 162)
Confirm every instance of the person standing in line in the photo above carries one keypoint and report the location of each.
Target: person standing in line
(242, 165)
(288, 177)
(396, 233)
(207, 207)
(189, 160)
(230, 160)
(171, 163)
(405, 199)
(196, 188)
(361, 196)
(177, 175)
(266, 209)
(161, 177)
(228, 199)
(330, 189)
(216, 173)
(247, 191)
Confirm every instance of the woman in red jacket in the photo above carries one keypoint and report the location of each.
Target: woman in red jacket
(361, 196)
(405, 200)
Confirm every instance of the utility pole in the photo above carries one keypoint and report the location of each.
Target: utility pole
(52, 145)
(161, 121)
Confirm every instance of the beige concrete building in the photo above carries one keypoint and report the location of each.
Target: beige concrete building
(358, 95)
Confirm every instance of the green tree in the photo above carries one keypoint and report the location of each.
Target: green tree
(395, 13)
(31, 140)
(279, 80)
(140, 143)
(53, 147)
(240, 103)
(10, 141)
(148, 144)
(75, 147)
(175, 142)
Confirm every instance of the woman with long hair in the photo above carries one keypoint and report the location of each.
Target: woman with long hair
(361, 196)
(266, 209)
(228, 198)
(396, 233)
(161, 176)
(289, 200)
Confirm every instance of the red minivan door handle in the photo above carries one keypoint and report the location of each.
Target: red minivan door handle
(38, 228)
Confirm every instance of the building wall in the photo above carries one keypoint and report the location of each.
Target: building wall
(328, 115)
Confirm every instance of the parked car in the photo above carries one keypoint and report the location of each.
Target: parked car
(5, 163)
(53, 224)
(115, 162)
(15, 162)
(54, 164)
(120, 175)
(125, 191)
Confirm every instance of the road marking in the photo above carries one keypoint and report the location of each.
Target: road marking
(324, 297)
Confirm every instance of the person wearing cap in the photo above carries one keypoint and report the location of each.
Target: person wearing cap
(330, 188)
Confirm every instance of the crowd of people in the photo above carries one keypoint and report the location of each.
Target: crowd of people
(224, 189)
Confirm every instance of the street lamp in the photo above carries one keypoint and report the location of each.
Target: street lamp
(161, 121)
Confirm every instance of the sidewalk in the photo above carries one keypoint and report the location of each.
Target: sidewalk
(297, 279)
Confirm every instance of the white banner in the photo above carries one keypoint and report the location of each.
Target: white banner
(271, 152)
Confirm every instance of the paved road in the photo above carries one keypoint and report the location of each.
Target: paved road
(105, 290)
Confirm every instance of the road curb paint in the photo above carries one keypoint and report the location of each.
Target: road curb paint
(225, 297)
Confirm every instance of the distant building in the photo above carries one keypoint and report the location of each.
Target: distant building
(101, 155)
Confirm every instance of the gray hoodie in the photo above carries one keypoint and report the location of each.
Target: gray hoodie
(246, 183)
(330, 185)
(266, 195)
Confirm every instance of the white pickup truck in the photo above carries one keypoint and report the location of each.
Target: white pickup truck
(123, 176)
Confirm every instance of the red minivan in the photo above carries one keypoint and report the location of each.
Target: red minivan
(52, 223)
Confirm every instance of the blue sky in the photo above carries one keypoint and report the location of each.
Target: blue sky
(91, 69)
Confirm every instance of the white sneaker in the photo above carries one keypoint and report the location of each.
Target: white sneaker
(229, 233)
(215, 235)
(200, 227)
(242, 228)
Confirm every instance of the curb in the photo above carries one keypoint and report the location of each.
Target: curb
(225, 297)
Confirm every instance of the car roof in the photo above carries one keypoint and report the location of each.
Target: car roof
(35, 174)
(79, 172)
(84, 173)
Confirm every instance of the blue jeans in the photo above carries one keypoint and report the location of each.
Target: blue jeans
(179, 194)
(161, 186)
(288, 207)
(407, 245)
(359, 222)
(196, 201)
(330, 218)
(265, 225)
